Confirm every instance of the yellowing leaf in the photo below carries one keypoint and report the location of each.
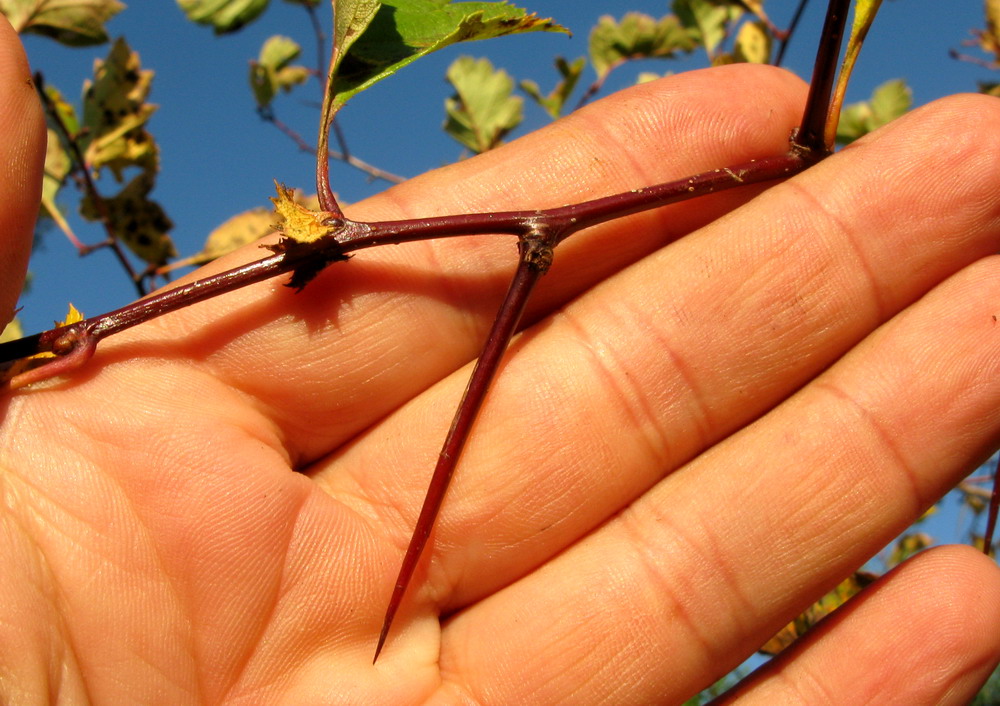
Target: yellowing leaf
(12, 331)
(57, 165)
(864, 15)
(71, 22)
(989, 40)
(272, 71)
(482, 110)
(135, 219)
(115, 113)
(844, 591)
(301, 224)
(753, 43)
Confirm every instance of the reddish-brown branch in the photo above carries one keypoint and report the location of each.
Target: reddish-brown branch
(504, 326)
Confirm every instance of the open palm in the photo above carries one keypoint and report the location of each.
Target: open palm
(686, 446)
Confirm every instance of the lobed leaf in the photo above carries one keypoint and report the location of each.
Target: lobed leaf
(75, 23)
(402, 31)
(224, 16)
(135, 220)
(636, 36)
(707, 20)
(115, 113)
(482, 111)
(887, 102)
(271, 71)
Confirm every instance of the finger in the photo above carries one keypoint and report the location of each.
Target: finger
(923, 634)
(689, 580)
(22, 152)
(665, 359)
(369, 334)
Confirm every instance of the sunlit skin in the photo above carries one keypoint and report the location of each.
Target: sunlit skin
(687, 445)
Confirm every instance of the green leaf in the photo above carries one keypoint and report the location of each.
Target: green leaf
(482, 110)
(753, 43)
(136, 220)
(57, 166)
(223, 15)
(864, 15)
(555, 101)
(72, 22)
(707, 20)
(115, 113)
(402, 31)
(271, 71)
(636, 36)
(888, 102)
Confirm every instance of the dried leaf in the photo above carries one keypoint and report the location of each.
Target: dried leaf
(72, 22)
(301, 224)
(482, 110)
(136, 220)
(115, 113)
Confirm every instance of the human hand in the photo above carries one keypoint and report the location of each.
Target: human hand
(688, 445)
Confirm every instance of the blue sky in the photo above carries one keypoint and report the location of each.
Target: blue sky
(218, 158)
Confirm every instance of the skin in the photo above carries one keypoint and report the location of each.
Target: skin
(688, 445)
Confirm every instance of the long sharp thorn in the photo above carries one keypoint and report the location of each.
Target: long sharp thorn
(503, 329)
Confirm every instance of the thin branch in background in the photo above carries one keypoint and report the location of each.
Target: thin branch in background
(86, 183)
(790, 32)
(320, 37)
(373, 172)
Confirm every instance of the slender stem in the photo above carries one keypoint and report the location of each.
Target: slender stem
(268, 115)
(810, 135)
(503, 329)
(354, 235)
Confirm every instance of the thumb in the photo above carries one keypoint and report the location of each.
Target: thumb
(22, 155)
